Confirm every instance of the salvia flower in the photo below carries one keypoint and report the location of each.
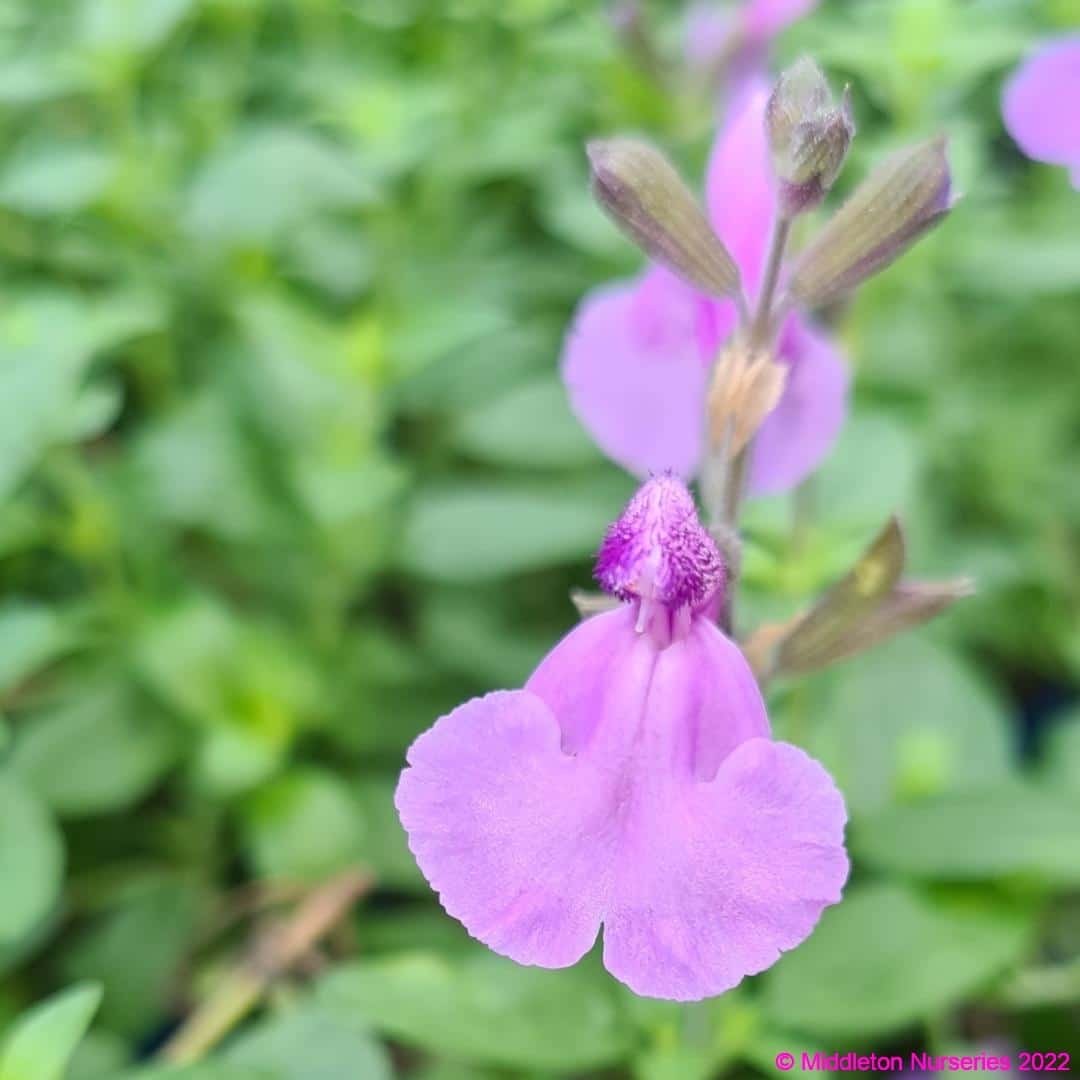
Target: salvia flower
(733, 41)
(632, 784)
(638, 355)
(1040, 105)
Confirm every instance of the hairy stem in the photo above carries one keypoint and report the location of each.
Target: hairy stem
(761, 327)
(726, 474)
(760, 335)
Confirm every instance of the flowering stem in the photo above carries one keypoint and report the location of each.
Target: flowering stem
(760, 329)
(742, 306)
(728, 492)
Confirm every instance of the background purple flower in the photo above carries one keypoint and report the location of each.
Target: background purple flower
(1040, 105)
(632, 783)
(766, 18)
(733, 40)
(637, 356)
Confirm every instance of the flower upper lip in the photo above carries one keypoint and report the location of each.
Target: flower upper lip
(658, 552)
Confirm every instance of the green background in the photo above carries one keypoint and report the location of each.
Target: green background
(286, 472)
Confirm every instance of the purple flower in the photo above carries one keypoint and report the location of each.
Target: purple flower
(735, 42)
(1040, 105)
(637, 356)
(632, 783)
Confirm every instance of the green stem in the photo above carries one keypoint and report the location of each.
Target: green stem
(725, 475)
(761, 328)
(760, 337)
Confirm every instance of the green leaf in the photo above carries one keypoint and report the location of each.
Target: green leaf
(136, 949)
(465, 630)
(55, 179)
(1061, 755)
(130, 25)
(339, 496)
(455, 357)
(243, 684)
(94, 753)
(676, 1063)
(307, 387)
(333, 258)
(1002, 255)
(411, 928)
(30, 636)
(886, 957)
(696, 1043)
(296, 173)
(530, 426)
(383, 846)
(908, 719)
(311, 1044)
(31, 862)
(841, 489)
(304, 826)
(38, 389)
(193, 461)
(33, 78)
(100, 1056)
(207, 1070)
(570, 211)
(565, 1020)
(95, 410)
(44, 1039)
(998, 831)
(183, 654)
(472, 534)
(47, 340)
(450, 1070)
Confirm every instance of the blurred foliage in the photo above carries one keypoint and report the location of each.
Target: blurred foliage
(286, 471)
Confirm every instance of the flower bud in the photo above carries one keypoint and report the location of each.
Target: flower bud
(899, 202)
(869, 605)
(816, 640)
(808, 136)
(644, 196)
(746, 386)
(908, 606)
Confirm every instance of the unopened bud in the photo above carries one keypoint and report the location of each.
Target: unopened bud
(817, 640)
(899, 202)
(643, 194)
(869, 605)
(809, 136)
(908, 606)
(746, 386)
